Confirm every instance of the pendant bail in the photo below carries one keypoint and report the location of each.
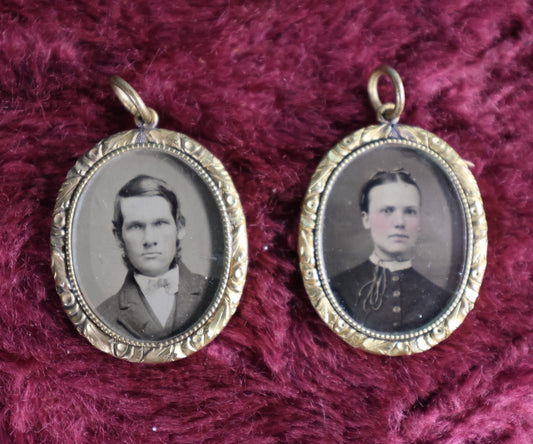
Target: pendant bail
(386, 112)
(145, 117)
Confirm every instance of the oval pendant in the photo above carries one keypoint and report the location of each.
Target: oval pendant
(393, 236)
(149, 247)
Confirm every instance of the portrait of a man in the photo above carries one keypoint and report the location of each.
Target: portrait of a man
(385, 293)
(160, 295)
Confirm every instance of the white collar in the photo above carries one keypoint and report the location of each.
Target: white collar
(390, 265)
(160, 292)
(168, 281)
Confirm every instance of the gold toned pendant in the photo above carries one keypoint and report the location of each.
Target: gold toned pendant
(149, 247)
(393, 236)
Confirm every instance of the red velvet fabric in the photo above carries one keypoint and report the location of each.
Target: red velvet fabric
(269, 87)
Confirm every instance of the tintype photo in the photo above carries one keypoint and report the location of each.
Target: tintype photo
(394, 239)
(148, 243)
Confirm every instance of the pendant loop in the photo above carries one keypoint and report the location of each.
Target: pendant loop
(144, 116)
(388, 112)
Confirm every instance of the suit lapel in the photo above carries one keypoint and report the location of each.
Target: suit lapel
(133, 313)
(187, 297)
(137, 318)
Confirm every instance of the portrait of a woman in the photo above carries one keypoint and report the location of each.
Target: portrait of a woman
(385, 293)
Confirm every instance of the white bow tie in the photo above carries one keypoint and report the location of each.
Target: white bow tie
(159, 292)
(168, 281)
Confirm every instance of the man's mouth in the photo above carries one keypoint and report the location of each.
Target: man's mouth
(151, 255)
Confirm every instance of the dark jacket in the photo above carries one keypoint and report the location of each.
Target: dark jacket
(409, 300)
(129, 313)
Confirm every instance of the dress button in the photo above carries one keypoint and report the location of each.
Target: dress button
(395, 324)
(396, 293)
(395, 277)
(396, 309)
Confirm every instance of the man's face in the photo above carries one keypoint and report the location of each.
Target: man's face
(393, 219)
(149, 233)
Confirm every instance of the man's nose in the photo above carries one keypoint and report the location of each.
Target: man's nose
(149, 237)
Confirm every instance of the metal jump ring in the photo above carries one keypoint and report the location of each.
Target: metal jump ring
(383, 111)
(144, 116)
(389, 112)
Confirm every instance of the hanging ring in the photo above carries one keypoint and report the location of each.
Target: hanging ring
(144, 116)
(383, 111)
(388, 112)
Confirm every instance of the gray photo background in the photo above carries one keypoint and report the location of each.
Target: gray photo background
(440, 249)
(97, 257)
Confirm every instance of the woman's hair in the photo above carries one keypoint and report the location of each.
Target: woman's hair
(146, 186)
(383, 177)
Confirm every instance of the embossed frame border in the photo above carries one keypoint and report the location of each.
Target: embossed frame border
(311, 225)
(206, 165)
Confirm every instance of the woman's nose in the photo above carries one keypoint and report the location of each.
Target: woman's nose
(399, 219)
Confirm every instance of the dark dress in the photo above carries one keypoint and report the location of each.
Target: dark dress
(129, 313)
(409, 300)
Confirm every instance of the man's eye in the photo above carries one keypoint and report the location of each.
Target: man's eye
(387, 210)
(411, 211)
(159, 223)
(134, 227)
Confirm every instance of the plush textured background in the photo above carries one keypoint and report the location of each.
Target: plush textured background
(268, 87)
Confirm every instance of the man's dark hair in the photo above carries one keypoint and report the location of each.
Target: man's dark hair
(146, 186)
(383, 177)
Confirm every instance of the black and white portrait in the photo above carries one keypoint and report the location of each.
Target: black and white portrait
(149, 245)
(393, 239)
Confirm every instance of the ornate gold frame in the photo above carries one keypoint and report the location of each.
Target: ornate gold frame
(311, 264)
(236, 247)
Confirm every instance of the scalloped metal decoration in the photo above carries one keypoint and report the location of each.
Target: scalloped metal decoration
(77, 303)
(391, 136)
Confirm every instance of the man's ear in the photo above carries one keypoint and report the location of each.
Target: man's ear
(117, 232)
(364, 217)
(180, 234)
(180, 227)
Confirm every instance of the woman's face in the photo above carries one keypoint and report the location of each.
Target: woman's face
(393, 219)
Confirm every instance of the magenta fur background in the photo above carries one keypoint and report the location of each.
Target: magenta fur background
(269, 87)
